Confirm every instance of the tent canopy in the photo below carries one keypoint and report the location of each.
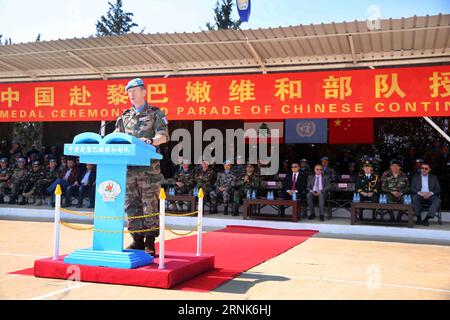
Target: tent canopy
(417, 40)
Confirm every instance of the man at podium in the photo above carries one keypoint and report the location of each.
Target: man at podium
(149, 124)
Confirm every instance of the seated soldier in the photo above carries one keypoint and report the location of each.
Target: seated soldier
(249, 182)
(184, 181)
(223, 188)
(33, 185)
(85, 183)
(5, 178)
(425, 189)
(327, 170)
(205, 179)
(367, 184)
(395, 184)
(18, 179)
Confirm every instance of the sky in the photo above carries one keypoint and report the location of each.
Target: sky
(23, 20)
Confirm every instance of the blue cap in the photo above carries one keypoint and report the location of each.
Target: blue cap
(227, 162)
(135, 83)
(4, 160)
(21, 160)
(324, 158)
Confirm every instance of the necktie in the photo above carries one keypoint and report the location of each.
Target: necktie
(294, 180)
(316, 184)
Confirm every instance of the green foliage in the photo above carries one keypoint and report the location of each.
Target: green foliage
(116, 21)
(7, 41)
(222, 17)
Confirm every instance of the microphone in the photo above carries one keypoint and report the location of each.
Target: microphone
(106, 123)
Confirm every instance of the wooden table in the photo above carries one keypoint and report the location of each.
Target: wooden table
(185, 198)
(383, 207)
(249, 204)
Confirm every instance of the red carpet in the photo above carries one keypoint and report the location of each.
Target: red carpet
(236, 249)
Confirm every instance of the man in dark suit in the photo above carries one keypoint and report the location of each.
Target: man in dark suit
(317, 186)
(293, 182)
(85, 183)
(425, 189)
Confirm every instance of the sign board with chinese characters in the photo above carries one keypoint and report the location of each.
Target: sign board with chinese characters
(389, 92)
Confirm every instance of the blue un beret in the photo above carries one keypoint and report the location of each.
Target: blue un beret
(135, 83)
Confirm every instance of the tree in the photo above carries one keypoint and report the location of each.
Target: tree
(7, 40)
(222, 17)
(116, 21)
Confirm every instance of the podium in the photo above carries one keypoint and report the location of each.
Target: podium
(112, 154)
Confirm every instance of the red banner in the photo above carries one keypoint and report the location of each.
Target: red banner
(395, 92)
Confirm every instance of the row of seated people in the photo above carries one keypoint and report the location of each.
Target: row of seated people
(232, 184)
(22, 183)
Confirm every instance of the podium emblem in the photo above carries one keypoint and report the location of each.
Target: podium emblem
(109, 190)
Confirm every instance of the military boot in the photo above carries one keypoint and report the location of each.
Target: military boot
(21, 200)
(39, 201)
(150, 245)
(138, 243)
(235, 210)
(12, 199)
(213, 209)
(225, 210)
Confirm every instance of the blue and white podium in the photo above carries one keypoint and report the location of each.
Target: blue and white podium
(111, 154)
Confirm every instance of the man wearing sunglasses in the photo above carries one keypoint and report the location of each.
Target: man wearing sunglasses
(425, 189)
(318, 185)
(293, 182)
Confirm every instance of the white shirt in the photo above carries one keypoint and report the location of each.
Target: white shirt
(85, 179)
(318, 183)
(67, 175)
(425, 187)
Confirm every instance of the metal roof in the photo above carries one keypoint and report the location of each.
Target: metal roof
(415, 40)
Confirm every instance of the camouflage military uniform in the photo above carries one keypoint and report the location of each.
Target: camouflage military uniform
(18, 179)
(143, 183)
(239, 171)
(34, 185)
(391, 183)
(228, 181)
(187, 179)
(5, 176)
(253, 183)
(205, 180)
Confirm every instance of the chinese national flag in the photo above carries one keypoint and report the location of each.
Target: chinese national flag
(352, 130)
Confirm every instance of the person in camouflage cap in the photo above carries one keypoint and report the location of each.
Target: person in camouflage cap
(184, 181)
(395, 183)
(223, 187)
(205, 179)
(5, 176)
(34, 186)
(149, 124)
(18, 179)
(249, 182)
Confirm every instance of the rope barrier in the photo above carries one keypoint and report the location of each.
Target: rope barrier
(91, 214)
(182, 234)
(72, 226)
(174, 214)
